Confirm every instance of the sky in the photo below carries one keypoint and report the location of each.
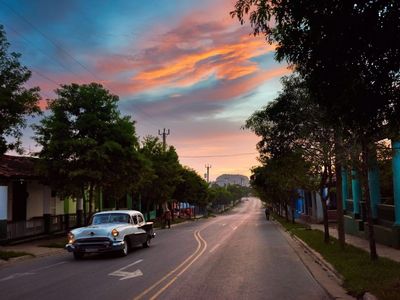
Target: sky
(182, 65)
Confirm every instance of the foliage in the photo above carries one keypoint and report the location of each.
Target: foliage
(191, 188)
(6, 255)
(224, 195)
(358, 83)
(86, 144)
(381, 278)
(163, 173)
(16, 101)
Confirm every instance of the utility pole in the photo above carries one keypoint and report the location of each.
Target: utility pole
(164, 135)
(208, 167)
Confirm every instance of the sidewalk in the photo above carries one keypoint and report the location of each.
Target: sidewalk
(383, 251)
(34, 249)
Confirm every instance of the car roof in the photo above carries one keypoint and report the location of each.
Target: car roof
(130, 212)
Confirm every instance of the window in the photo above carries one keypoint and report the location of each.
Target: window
(140, 219)
(135, 221)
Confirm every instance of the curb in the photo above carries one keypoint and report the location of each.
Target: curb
(326, 266)
(318, 259)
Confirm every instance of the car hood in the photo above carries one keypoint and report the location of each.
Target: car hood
(96, 230)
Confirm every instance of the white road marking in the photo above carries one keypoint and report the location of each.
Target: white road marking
(215, 247)
(33, 272)
(50, 266)
(128, 275)
(16, 275)
(234, 227)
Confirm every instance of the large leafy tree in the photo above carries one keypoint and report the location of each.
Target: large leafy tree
(16, 101)
(294, 123)
(87, 144)
(163, 175)
(348, 52)
(191, 188)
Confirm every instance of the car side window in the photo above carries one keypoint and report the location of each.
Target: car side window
(140, 219)
(135, 221)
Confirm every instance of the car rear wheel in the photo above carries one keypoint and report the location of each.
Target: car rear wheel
(78, 255)
(146, 244)
(125, 250)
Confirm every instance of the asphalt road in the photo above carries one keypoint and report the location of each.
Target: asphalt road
(235, 256)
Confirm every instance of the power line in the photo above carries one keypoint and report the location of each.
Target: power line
(64, 51)
(220, 155)
(40, 50)
(49, 39)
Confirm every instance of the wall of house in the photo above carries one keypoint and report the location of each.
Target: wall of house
(59, 206)
(34, 203)
(9, 206)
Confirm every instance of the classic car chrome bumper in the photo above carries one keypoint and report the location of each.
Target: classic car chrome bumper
(88, 247)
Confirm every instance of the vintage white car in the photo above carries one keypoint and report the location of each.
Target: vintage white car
(116, 230)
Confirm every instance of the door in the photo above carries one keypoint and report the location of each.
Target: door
(20, 195)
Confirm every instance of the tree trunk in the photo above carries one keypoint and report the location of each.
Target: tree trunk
(339, 205)
(286, 212)
(324, 206)
(325, 215)
(84, 206)
(371, 235)
(91, 201)
(339, 198)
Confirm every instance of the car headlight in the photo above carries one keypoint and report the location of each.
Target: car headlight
(114, 232)
(71, 237)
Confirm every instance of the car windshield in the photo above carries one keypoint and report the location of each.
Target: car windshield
(110, 218)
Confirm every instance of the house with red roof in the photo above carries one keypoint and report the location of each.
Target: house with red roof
(28, 206)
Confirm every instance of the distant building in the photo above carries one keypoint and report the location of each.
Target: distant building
(227, 179)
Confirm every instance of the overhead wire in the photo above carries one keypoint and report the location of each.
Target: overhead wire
(67, 53)
(219, 155)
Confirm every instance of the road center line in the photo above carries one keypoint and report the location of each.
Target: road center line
(145, 292)
(183, 270)
(215, 247)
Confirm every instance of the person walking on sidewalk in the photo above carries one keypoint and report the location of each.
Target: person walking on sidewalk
(267, 212)
(168, 217)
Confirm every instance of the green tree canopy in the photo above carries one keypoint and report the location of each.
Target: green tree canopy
(191, 188)
(164, 175)
(86, 144)
(16, 101)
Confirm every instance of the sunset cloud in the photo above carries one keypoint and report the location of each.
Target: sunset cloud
(186, 65)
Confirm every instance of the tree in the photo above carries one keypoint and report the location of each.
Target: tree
(358, 82)
(294, 123)
(16, 101)
(191, 188)
(86, 144)
(164, 174)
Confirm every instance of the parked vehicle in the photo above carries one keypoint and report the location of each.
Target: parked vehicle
(117, 230)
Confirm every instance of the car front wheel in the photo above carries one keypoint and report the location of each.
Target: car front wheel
(125, 250)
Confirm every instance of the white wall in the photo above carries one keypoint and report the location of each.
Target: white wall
(34, 203)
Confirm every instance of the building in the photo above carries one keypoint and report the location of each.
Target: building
(27, 205)
(227, 179)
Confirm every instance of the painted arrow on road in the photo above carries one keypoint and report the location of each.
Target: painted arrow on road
(126, 274)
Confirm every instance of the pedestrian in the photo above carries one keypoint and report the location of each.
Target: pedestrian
(168, 217)
(267, 213)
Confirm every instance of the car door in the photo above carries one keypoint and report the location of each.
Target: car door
(142, 234)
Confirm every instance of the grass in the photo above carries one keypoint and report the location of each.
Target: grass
(381, 278)
(6, 255)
